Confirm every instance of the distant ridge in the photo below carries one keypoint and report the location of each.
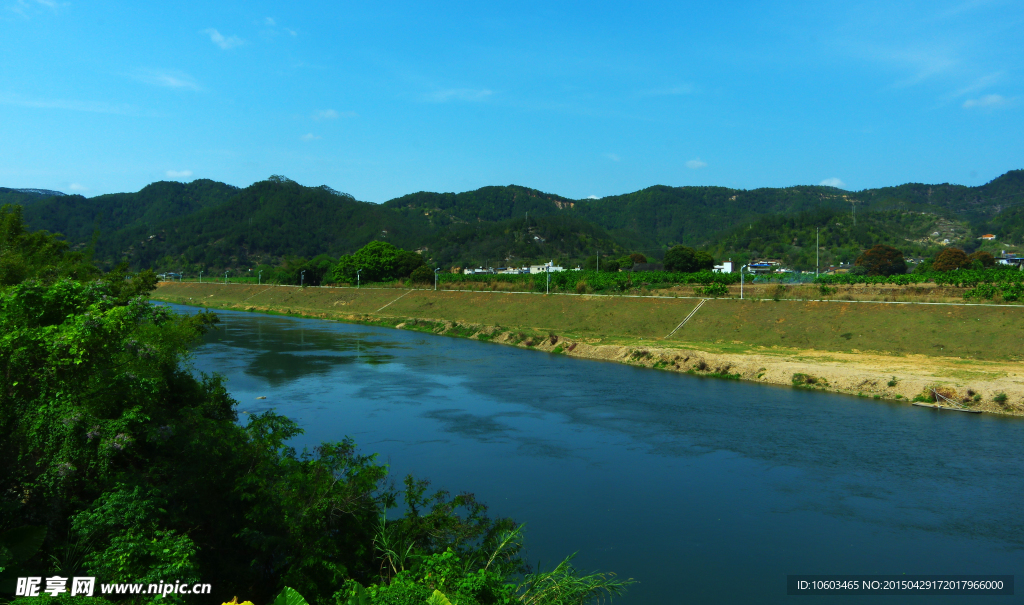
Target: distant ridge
(42, 192)
(210, 224)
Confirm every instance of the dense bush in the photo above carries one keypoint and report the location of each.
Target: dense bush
(950, 259)
(683, 259)
(882, 260)
(376, 261)
(122, 463)
(567, 281)
(963, 278)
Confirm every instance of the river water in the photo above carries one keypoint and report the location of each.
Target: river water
(704, 490)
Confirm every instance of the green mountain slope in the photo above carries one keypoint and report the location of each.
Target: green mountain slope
(77, 217)
(261, 223)
(792, 238)
(491, 204)
(205, 223)
(25, 197)
(695, 215)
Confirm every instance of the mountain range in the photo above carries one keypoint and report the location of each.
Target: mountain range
(210, 224)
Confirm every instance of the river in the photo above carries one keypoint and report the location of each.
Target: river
(704, 490)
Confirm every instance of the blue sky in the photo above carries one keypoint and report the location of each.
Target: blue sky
(580, 99)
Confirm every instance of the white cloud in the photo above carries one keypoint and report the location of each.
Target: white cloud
(458, 94)
(77, 187)
(270, 21)
(179, 174)
(613, 157)
(986, 101)
(330, 114)
(696, 164)
(167, 79)
(24, 7)
(833, 182)
(291, 31)
(309, 136)
(224, 42)
(979, 84)
(593, 197)
(87, 106)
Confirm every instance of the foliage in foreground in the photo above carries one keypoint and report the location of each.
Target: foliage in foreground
(122, 463)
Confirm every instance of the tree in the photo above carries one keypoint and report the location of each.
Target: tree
(949, 259)
(683, 259)
(422, 275)
(407, 262)
(637, 258)
(607, 265)
(882, 260)
(984, 258)
(37, 254)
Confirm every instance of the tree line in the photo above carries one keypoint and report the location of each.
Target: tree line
(122, 463)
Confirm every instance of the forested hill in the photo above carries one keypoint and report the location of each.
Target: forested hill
(217, 225)
(77, 217)
(265, 221)
(25, 197)
(485, 204)
(696, 215)
(978, 205)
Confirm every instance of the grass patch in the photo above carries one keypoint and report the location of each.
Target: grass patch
(723, 375)
(808, 381)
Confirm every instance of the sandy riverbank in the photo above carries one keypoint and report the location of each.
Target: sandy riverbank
(789, 343)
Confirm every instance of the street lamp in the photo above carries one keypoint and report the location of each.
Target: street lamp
(200, 277)
(435, 278)
(259, 278)
(226, 277)
(302, 278)
(741, 280)
(358, 271)
(547, 269)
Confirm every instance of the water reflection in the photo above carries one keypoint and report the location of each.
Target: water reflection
(656, 475)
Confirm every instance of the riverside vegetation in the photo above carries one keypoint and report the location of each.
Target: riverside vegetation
(119, 462)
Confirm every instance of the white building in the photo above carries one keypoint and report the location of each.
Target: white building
(545, 268)
(725, 267)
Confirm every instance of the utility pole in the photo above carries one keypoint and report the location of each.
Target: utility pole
(854, 204)
(226, 277)
(200, 277)
(741, 280)
(598, 260)
(817, 250)
(358, 271)
(435, 278)
(259, 278)
(302, 278)
(547, 289)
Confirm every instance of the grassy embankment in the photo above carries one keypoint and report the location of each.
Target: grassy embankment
(885, 351)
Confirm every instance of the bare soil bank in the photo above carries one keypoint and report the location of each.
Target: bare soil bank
(893, 352)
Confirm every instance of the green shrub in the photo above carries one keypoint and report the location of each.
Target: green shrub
(1000, 398)
(715, 289)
